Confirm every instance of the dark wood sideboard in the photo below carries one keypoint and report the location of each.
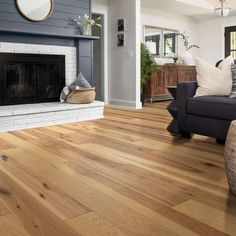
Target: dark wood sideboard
(171, 74)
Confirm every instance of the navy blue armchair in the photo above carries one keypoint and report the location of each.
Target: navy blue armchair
(207, 115)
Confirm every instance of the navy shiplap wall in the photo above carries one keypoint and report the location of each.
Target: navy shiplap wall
(47, 32)
(58, 24)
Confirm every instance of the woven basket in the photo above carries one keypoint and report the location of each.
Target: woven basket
(230, 157)
(81, 96)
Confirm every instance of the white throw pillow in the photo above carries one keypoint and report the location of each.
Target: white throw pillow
(212, 80)
(226, 62)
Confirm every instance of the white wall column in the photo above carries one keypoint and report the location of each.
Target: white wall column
(124, 62)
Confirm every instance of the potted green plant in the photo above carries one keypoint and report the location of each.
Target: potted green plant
(148, 66)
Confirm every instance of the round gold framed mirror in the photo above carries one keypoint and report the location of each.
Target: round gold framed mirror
(35, 10)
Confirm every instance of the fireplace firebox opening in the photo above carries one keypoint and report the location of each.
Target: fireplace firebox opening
(31, 78)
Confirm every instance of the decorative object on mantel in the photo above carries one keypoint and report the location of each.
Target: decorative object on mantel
(35, 10)
(230, 157)
(223, 10)
(85, 24)
(187, 57)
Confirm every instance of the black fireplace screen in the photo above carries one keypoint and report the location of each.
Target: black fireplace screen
(29, 78)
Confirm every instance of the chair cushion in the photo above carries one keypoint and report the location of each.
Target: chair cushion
(218, 107)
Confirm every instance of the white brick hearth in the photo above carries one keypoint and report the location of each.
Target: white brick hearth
(44, 114)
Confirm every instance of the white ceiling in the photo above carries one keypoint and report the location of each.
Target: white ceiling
(198, 9)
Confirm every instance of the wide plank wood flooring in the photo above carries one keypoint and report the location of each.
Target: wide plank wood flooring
(124, 175)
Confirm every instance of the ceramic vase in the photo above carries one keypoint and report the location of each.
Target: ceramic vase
(87, 30)
(187, 58)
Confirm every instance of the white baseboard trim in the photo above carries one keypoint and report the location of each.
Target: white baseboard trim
(124, 103)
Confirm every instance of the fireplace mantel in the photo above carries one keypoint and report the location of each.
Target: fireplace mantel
(75, 37)
(83, 43)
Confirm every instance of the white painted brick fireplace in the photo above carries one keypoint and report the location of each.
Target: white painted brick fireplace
(37, 115)
(69, 52)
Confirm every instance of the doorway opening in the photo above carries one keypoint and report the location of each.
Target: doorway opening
(98, 57)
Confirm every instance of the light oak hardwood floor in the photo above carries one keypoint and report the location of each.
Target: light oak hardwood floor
(124, 175)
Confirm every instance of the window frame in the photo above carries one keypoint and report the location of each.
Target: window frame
(162, 41)
(227, 34)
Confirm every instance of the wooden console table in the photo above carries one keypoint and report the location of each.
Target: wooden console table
(171, 75)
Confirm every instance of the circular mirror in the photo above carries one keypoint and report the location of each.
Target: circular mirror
(35, 10)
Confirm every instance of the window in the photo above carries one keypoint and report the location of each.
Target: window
(161, 42)
(230, 41)
(153, 40)
(170, 43)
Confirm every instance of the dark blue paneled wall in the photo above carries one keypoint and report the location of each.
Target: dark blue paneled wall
(15, 28)
(58, 24)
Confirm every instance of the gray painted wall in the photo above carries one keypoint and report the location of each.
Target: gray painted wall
(58, 24)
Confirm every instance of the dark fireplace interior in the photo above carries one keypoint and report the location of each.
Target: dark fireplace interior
(30, 78)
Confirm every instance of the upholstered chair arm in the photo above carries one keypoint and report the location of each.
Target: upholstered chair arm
(185, 91)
